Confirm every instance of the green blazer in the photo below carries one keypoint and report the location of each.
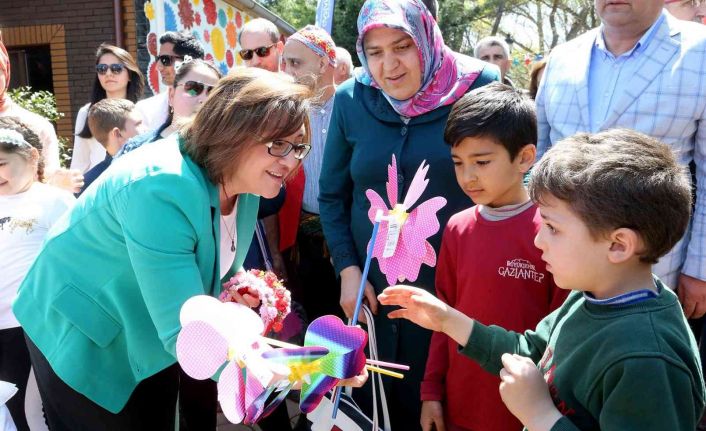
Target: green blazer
(102, 299)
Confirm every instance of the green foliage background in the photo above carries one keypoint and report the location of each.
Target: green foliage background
(463, 22)
(43, 103)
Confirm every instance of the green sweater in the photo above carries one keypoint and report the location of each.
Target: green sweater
(630, 367)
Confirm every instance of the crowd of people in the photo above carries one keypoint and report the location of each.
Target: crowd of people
(571, 249)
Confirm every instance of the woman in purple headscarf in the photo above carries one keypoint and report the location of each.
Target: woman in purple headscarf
(397, 104)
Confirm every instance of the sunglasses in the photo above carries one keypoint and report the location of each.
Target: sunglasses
(168, 60)
(280, 148)
(263, 51)
(115, 68)
(195, 88)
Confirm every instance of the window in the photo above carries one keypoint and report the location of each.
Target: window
(31, 65)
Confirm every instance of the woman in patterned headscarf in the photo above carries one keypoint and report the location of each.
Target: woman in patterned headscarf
(397, 104)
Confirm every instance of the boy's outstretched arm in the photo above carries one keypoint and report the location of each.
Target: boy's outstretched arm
(483, 344)
(427, 311)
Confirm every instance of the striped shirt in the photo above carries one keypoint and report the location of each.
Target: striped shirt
(319, 118)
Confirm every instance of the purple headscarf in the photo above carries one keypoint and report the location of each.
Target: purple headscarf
(446, 75)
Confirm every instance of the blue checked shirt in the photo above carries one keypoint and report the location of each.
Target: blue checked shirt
(662, 93)
(319, 119)
(609, 76)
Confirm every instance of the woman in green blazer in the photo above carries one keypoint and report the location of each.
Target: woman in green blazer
(397, 104)
(100, 306)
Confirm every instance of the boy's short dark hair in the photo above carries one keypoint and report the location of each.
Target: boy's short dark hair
(107, 114)
(495, 111)
(615, 179)
(184, 43)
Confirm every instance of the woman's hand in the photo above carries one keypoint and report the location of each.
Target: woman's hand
(350, 283)
(355, 382)
(249, 298)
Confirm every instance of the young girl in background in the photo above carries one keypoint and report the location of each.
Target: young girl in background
(28, 208)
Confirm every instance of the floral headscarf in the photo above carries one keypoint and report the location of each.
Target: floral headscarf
(446, 75)
(318, 40)
(5, 70)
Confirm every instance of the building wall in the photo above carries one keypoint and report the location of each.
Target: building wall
(85, 24)
(130, 26)
(75, 28)
(214, 23)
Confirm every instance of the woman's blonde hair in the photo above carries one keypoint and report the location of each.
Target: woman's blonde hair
(248, 107)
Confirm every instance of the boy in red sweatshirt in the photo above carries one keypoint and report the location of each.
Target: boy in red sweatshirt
(488, 265)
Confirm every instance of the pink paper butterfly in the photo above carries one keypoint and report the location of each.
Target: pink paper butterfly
(403, 260)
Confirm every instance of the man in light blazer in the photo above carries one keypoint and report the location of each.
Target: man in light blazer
(642, 69)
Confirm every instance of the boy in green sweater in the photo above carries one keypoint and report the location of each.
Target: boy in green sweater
(618, 354)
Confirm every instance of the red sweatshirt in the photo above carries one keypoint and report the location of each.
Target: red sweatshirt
(491, 271)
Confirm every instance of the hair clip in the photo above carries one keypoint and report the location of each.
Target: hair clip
(12, 137)
(178, 64)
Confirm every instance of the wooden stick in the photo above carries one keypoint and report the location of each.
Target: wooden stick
(371, 368)
(384, 371)
(387, 364)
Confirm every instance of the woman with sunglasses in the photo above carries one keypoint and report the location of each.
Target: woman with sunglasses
(117, 77)
(100, 305)
(193, 82)
(397, 104)
(174, 47)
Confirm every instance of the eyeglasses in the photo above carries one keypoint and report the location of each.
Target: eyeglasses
(168, 60)
(115, 68)
(693, 3)
(263, 51)
(195, 88)
(280, 148)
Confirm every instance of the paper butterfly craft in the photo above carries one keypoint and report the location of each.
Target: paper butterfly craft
(401, 246)
(345, 359)
(207, 341)
(215, 333)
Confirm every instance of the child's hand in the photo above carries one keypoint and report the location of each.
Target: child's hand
(432, 416)
(418, 305)
(67, 179)
(526, 394)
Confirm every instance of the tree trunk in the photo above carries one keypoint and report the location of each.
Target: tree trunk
(498, 17)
